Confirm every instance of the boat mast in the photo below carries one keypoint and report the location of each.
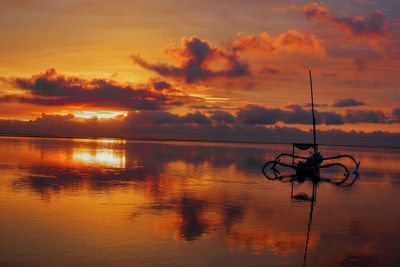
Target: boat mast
(313, 112)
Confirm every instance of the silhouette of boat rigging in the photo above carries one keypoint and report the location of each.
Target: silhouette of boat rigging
(308, 168)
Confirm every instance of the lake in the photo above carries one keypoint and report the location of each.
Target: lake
(109, 202)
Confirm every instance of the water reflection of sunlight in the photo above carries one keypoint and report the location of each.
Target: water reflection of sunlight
(111, 141)
(101, 156)
(103, 141)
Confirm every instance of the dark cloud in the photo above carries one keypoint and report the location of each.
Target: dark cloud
(163, 117)
(160, 68)
(373, 24)
(347, 102)
(49, 119)
(258, 115)
(196, 56)
(396, 114)
(329, 118)
(368, 27)
(163, 125)
(222, 116)
(253, 115)
(366, 116)
(298, 115)
(52, 89)
(161, 85)
(197, 118)
(216, 124)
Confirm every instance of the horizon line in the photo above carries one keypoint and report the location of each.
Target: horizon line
(187, 140)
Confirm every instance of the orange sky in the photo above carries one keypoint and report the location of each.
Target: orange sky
(232, 58)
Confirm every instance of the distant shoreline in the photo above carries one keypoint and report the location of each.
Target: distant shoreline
(185, 140)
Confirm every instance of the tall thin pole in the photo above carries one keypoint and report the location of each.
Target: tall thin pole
(312, 107)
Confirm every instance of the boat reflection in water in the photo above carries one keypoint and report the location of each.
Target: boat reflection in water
(309, 169)
(124, 203)
(302, 197)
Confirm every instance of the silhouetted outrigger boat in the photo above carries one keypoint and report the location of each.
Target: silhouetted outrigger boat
(309, 167)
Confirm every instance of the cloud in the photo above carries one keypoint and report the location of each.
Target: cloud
(163, 125)
(160, 68)
(53, 89)
(254, 115)
(163, 117)
(161, 85)
(222, 116)
(365, 116)
(298, 115)
(199, 60)
(330, 118)
(258, 115)
(293, 41)
(196, 57)
(196, 117)
(347, 102)
(396, 114)
(294, 114)
(370, 28)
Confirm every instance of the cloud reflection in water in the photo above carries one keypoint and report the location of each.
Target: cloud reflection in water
(186, 192)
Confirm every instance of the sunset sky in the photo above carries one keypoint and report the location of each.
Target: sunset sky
(232, 70)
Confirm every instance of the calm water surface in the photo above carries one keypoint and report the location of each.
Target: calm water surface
(69, 202)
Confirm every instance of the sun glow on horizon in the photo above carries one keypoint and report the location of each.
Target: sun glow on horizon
(101, 114)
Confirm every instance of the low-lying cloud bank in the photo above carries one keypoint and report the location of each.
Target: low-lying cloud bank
(53, 89)
(294, 114)
(193, 126)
